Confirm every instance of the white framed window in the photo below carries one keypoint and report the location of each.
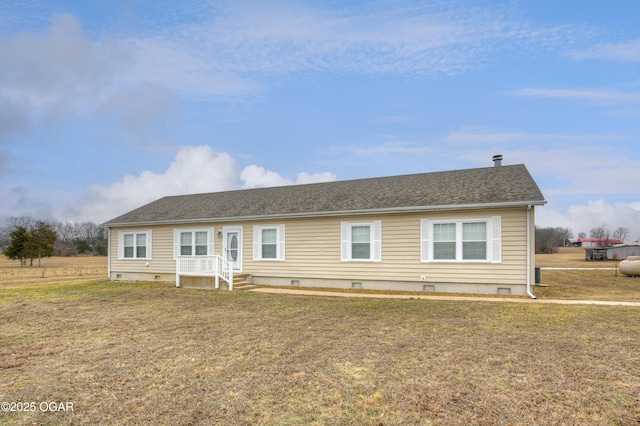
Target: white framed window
(461, 240)
(269, 242)
(361, 241)
(134, 245)
(193, 242)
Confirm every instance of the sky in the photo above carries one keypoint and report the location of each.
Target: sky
(107, 105)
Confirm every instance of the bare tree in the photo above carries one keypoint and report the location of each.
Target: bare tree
(565, 235)
(600, 233)
(549, 239)
(621, 233)
(67, 233)
(5, 238)
(89, 232)
(24, 221)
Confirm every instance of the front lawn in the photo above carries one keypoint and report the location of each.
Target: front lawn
(148, 353)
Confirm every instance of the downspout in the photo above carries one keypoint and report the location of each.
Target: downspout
(533, 296)
(109, 253)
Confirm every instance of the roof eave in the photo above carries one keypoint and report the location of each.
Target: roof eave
(389, 210)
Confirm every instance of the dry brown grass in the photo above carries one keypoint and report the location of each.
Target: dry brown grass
(571, 257)
(148, 353)
(588, 285)
(53, 269)
(592, 284)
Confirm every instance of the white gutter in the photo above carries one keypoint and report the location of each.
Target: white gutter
(108, 253)
(533, 296)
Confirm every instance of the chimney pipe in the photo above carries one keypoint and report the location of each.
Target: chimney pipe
(497, 160)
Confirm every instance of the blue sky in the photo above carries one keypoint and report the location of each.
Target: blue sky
(108, 105)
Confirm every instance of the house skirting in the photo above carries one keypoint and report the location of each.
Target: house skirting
(420, 286)
(143, 276)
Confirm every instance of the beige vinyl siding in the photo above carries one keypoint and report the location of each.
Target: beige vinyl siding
(313, 250)
(162, 252)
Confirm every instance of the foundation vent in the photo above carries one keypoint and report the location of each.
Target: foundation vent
(295, 283)
(356, 285)
(430, 288)
(504, 290)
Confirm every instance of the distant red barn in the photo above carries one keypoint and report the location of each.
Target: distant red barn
(596, 242)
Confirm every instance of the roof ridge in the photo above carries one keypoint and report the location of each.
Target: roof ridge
(298, 185)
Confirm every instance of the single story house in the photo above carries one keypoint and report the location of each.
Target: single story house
(462, 231)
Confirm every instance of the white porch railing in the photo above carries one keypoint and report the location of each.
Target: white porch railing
(205, 266)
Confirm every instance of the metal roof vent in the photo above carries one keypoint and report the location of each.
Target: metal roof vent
(497, 160)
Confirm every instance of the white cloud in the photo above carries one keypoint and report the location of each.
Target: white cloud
(17, 200)
(60, 66)
(142, 112)
(60, 74)
(628, 51)
(304, 178)
(14, 114)
(584, 217)
(194, 170)
(235, 50)
(238, 48)
(258, 177)
(591, 95)
(568, 173)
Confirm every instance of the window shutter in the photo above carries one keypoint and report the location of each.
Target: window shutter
(424, 240)
(149, 245)
(344, 241)
(496, 239)
(281, 242)
(120, 245)
(176, 243)
(257, 242)
(377, 241)
(211, 235)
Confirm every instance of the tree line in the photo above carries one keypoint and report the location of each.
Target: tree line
(27, 239)
(549, 239)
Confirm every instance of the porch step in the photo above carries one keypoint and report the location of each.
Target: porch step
(243, 286)
(241, 282)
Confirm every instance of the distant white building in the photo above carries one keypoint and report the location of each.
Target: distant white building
(596, 242)
(622, 251)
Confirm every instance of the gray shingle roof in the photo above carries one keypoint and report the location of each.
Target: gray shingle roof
(504, 185)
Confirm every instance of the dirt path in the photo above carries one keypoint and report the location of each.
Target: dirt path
(456, 298)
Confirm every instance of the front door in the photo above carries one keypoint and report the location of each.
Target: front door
(232, 246)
